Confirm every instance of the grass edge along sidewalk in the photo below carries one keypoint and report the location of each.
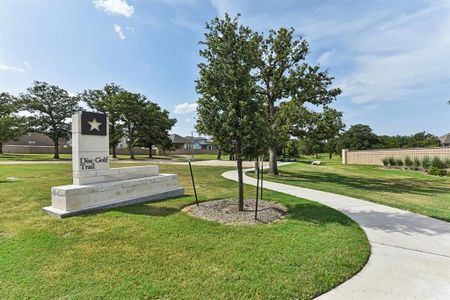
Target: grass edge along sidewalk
(409, 190)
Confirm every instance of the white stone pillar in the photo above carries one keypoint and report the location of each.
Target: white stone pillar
(90, 144)
(344, 156)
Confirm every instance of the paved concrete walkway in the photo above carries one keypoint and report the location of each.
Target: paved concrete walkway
(410, 256)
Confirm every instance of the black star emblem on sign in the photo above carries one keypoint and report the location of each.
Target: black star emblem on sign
(93, 123)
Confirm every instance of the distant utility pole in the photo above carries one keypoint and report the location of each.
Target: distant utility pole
(192, 144)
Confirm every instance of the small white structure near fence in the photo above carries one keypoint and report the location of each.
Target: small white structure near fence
(376, 156)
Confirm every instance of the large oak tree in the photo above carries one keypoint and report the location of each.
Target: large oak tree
(155, 127)
(284, 76)
(12, 126)
(51, 107)
(104, 101)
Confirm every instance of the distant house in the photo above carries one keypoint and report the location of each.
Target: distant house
(37, 139)
(198, 143)
(122, 143)
(189, 142)
(445, 140)
(178, 141)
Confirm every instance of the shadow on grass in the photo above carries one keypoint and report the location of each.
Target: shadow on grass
(148, 210)
(392, 185)
(317, 214)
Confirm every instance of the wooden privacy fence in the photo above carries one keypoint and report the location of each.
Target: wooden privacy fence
(376, 156)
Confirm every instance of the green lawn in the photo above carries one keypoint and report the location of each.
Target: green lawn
(32, 157)
(409, 190)
(49, 157)
(156, 251)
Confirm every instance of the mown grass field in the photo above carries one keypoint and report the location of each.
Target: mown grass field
(68, 157)
(409, 190)
(156, 251)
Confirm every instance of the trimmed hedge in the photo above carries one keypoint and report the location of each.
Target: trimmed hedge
(433, 166)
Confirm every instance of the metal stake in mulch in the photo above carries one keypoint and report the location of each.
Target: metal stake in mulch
(262, 172)
(257, 187)
(193, 182)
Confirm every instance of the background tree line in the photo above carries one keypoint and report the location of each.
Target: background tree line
(362, 137)
(47, 109)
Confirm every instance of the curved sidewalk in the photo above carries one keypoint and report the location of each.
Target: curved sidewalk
(410, 256)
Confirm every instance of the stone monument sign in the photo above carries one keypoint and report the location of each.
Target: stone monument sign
(97, 186)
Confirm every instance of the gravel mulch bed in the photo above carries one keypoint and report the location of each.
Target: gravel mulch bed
(226, 211)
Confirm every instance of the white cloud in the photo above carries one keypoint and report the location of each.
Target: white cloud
(11, 68)
(130, 29)
(185, 108)
(7, 67)
(27, 64)
(400, 58)
(382, 50)
(119, 31)
(115, 7)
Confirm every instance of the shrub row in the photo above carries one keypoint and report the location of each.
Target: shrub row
(434, 166)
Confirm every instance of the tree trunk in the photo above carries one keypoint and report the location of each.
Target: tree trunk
(219, 155)
(56, 149)
(273, 167)
(114, 151)
(1, 148)
(240, 176)
(132, 153)
(331, 155)
(150, 154)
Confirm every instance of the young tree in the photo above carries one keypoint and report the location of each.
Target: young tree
(104, 101)
(284, 75)
(51, 107)
(12, 127)
(132, 109)
(155, 127)
(228, 109)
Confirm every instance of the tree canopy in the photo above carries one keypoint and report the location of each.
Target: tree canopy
(51, 107)
(12, 126)
(285, 76)
(155, 127)
(229, 110)
(358, 137)
(104, 101)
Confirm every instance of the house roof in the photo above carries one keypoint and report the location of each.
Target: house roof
(198, 139)
(35, 139)
(178, 139)
(445, 139)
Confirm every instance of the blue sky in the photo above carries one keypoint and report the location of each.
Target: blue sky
(390, 57)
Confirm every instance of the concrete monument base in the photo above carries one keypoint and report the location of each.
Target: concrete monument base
(140, 184)
(155, 197)
(96, 186)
